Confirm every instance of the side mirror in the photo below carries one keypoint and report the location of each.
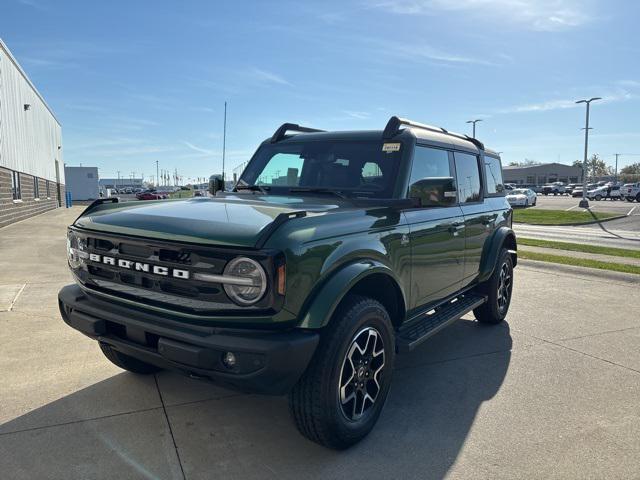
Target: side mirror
(434, 191)
(216, 184)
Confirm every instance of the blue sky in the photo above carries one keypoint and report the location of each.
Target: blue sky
(139, 81)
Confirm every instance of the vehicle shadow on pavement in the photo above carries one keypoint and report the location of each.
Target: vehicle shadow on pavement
(436, 394)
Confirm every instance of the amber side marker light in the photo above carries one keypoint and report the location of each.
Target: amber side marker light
(282, 279)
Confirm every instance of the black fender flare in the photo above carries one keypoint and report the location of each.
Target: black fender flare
(492, 247)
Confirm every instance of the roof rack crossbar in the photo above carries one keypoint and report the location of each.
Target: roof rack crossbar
(394, 124)
(291, 127)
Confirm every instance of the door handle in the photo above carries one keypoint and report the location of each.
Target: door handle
(456, 227)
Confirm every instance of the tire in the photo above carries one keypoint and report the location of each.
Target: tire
(598, 198)
(629, 199)
(126, 362)
(638, 198)
(535, 201)
(526, 203)
(495, 309)
(319, 403)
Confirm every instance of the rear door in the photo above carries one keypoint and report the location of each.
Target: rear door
(436, 231)
(479, 216)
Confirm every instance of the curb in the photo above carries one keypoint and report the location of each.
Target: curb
(573, 224)
(581, 271)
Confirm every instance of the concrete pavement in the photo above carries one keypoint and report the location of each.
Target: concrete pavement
(552, 393)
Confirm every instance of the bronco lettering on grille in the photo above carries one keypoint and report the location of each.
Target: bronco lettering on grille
(139, 267)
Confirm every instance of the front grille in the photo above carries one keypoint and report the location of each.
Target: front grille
(185, 295)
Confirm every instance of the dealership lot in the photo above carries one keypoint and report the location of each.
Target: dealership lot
(566, 202)
(551, 394)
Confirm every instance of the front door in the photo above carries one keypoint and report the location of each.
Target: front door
(436, 233)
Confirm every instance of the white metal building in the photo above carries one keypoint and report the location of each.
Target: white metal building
(31, 165)
(82, 182)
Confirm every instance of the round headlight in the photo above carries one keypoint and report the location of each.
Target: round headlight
(248, 282)
(75, 250)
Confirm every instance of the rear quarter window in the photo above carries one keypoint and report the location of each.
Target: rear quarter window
(493, 174)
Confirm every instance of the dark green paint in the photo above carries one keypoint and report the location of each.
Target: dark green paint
(337, 244)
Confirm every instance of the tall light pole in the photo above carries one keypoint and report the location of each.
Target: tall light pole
(474, 125)
(157, 175)
(224, 141)
(584, 203)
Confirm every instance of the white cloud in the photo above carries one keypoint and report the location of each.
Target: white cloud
(357, 115)
(614, 96)
(543, 15)
(268, 77)
(195, 148)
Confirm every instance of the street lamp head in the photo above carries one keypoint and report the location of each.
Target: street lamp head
(474, 121)
(590, 100)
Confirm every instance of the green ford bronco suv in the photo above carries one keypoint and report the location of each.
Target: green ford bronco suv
(334, 252)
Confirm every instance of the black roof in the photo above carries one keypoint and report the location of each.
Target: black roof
(396, 128)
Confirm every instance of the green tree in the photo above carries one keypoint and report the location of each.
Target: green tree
(596, 167)
(633, 169)
(525, 163)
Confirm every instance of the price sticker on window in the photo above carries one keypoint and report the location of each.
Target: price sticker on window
(390, 147)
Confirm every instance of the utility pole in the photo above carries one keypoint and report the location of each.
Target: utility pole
(224, 141)
(157, 173)
(584, 203)
(118, 179)
(616, 175)
(474, 125)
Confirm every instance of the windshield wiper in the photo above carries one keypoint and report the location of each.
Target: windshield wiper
(337, 193)
(253, 188)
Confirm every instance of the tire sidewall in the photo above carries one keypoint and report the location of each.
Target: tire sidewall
(372, 315)
(505, 258)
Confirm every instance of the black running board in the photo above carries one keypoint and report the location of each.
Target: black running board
(434, 320)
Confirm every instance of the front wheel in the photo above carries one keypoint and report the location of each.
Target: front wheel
(339, 398)
(598, 198)
(498, 290)
(629, 199)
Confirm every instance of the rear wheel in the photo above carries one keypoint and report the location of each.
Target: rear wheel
(498, 290)
(598, 198)
(339, 398)
(629, 199)
(126, 362)
(638, 198)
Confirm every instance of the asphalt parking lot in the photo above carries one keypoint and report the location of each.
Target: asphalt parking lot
(552, 393)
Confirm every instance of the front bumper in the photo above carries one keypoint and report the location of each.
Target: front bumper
(268, 361)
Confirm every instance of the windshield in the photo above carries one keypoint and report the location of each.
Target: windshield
(358, 169)
(518, 191)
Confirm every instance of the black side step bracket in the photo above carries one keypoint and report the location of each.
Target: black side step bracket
(433, 321)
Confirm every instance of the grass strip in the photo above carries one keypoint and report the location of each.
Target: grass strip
(536, 216)
(579, 262)
(580, 247)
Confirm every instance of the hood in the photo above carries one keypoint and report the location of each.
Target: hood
(516, 196)
(229, 221)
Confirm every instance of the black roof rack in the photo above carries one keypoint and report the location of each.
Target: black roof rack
(290, 127)
(394, 124)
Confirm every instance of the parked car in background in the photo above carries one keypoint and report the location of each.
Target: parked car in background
(611, 192)
(577, 191)
(571, 186)
(631, 191)
(522, 197)
(555, 188)
(151, 195)
(509, 186)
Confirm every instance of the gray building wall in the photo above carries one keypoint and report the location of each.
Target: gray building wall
(82, 182)
(31, 168)
(541, 174)
(121, 182)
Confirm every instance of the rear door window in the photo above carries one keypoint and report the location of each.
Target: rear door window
(468, 177)
(493, 174)
(430, 167)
